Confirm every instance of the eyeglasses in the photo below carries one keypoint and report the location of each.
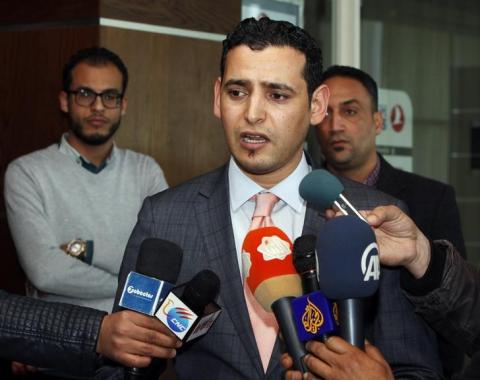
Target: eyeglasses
(85, 97)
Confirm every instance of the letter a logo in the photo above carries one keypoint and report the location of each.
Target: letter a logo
(370, 263)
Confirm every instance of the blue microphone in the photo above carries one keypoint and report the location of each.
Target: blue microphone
(156, 271)
(325, 190)
(348, 271)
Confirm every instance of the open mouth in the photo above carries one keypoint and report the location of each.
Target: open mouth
(253, 139)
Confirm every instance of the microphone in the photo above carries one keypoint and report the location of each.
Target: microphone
(324, 189)
(268, 262)
(157, 268)
(193, 313)
(349, 271)
(315, 315)
(271, 277)
(305, 262)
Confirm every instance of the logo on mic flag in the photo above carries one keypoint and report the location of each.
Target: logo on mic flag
(313, 316)
(176, 315)
(268, 265)
(143, 293)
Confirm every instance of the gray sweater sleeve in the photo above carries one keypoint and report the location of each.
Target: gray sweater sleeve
(44, 263)
(49, 334)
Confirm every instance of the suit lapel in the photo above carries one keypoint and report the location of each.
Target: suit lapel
(213, 213)
(388, 181)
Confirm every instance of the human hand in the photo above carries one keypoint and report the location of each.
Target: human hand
(21, 369)
(338, 360)
(132, 339)
(399, 240)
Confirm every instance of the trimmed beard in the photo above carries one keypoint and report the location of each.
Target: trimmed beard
(95, 139)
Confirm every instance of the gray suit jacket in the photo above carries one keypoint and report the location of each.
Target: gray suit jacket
(196, 216)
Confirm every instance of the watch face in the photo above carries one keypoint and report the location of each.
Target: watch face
(76, 248)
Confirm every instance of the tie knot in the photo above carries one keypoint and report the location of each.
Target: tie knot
(264, 203)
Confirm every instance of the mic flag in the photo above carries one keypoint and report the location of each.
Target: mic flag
(143, 293)
(315, 316)
(268, 266)
(192, 314)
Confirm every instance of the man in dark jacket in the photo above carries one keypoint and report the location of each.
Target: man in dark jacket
(347, 139)
(442, 286)
(71, 338)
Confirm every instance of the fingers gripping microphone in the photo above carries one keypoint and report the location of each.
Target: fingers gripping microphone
(157, 268)
(349, 270)
(325, 190)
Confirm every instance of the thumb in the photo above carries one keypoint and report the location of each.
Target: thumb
(373, 352)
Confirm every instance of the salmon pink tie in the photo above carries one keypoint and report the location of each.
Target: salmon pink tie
(264, 324)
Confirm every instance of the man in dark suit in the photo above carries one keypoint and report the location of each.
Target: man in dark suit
(267, 96)
(347, 139)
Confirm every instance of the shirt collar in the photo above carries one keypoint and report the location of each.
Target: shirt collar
(372, 178)
(242, 188)
(70, 151)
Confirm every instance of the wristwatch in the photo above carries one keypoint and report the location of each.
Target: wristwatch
(77, 248)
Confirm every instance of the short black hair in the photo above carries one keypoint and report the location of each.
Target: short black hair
(95, 56)
(361, 76)
(259, 34)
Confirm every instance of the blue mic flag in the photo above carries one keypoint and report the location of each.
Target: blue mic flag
(143, 294)
(314, 316)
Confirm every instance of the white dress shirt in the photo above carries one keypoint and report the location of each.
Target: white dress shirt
(288, 214)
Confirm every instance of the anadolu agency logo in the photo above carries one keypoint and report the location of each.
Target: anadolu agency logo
(370, 263)
(179, 318)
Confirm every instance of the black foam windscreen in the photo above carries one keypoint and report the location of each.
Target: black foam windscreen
(321, 188)
(159, 259)
(304, 258)
(202, 289)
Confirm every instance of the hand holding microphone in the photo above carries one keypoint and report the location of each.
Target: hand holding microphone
(133, 339)
(157, 268)
(336, 359)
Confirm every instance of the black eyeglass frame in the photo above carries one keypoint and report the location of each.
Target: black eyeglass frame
(118, 97)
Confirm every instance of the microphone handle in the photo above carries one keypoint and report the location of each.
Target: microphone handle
(284, 315)
(151, 372)
(351, 315)
(310, 282)
(134, 373)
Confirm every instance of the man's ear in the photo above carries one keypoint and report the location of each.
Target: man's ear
(216, 100)
(378, 121)
(63, 101)
(123, 105)
(319, 104)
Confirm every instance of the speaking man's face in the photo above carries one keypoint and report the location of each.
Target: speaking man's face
(263, 103)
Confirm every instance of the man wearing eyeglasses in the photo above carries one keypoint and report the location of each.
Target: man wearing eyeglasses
(72, 205)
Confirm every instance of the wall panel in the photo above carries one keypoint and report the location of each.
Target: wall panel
(170, 100)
